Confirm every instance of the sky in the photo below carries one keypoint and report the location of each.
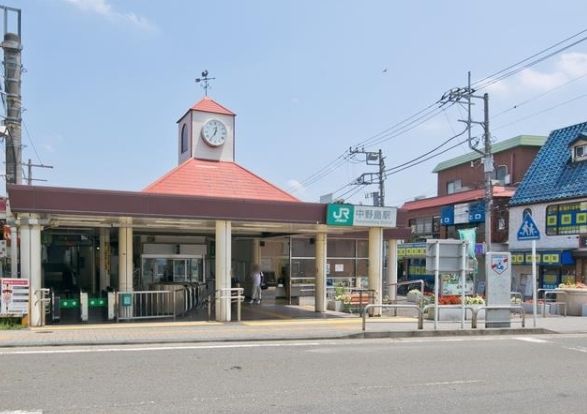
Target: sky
(105, 82)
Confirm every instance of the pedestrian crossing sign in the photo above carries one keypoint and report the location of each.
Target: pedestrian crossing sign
(528, 230)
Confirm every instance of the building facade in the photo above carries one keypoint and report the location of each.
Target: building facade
(550, 206)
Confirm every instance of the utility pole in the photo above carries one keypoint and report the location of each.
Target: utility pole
(460, 95)
(30, 166)
(12, 87)
(372, 158)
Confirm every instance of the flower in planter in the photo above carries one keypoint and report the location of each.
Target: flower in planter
(449, 300)
(474, 300)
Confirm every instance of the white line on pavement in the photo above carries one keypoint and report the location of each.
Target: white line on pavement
(155, 348)
(533, 340)
(577, 348)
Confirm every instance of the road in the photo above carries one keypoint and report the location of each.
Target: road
(496, 374)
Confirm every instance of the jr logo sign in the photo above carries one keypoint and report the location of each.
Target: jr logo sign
(340, 214)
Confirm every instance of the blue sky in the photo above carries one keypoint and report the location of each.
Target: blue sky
(106, 81)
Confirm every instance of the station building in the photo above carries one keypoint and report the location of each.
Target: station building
(204, 224)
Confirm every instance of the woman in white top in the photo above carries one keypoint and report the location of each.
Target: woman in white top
(256, 283)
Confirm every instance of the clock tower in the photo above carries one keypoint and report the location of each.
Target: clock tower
(206, 131)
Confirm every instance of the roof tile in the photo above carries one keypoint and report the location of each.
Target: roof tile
(553, 175)
(217, 179)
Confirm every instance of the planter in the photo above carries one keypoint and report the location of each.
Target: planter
(414, 297)
(445, 314)
(575, 299)
(336, 305)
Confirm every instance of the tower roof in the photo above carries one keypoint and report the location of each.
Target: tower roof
(208, 104)
(198, 177)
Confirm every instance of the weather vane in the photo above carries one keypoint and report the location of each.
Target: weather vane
(205, 81)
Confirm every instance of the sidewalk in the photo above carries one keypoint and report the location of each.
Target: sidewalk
(190, 332)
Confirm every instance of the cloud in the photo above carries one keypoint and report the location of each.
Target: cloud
(104, 9)
(566, 67)
(295, 186)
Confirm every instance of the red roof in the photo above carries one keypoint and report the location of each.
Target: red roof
(217, 179)
(208, 104)
(455, 198)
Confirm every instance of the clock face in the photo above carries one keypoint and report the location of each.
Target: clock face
(214, 133)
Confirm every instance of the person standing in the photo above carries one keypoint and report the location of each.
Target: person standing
(256, 276)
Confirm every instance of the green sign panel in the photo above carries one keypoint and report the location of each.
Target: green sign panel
(126, 299)
(340, 214)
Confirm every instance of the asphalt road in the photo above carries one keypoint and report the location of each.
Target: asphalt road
(525, 374)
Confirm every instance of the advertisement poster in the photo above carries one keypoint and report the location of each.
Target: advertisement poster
(450, 284)
(14, 298)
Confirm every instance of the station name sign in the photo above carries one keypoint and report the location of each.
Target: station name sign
(361, 216)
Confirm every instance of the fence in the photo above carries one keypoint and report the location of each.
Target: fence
(150, 304)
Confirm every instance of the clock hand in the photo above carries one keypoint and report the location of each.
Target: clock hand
(215, 131)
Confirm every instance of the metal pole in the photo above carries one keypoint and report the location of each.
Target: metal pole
(381, 180)
(436, 283)
(534, 295)
(29, 177)
(463, 280)
(488, 169)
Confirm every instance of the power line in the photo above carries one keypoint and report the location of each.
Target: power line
(427, 153)
(576, 98)
(26, 129)
(428, 158)
(500, 73)
(539, 96)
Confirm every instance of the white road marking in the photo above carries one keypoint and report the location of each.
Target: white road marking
(156, 348)
(531, 339)
(21, 412)
(577, 348)
(421, 384)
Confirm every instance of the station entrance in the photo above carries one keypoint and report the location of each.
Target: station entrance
(80, 273)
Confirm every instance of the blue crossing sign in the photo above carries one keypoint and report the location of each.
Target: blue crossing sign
(528, 230)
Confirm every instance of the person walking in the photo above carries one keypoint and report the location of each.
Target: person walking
(256, 276)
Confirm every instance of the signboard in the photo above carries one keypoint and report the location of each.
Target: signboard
(364, 216)
(340, 214)
(463, 213)
(450, 256)
(14, 299)
(499, 282)
(126, 299)
(528, 230)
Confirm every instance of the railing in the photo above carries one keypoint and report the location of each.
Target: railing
(479, 308)
(393, 306)
(149, 304)
(227, 293)
(553, 302)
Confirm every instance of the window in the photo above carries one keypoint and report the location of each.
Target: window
(580, 152)
(569, 218)
(184, 138)
(453, 186)
(501, 173)
(425, 226)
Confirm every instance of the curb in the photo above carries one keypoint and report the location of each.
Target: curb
(360, 335)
